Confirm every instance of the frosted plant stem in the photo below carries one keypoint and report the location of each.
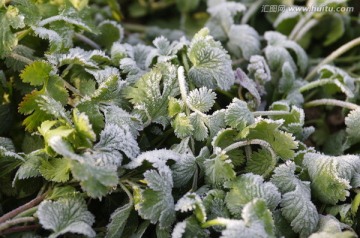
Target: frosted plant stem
(9, 223)
(87, 41)
(307, 27)
(303, 21)
(300, 25)
(22, 208)
(270, 113)
(251, 11)
(332, 102)
(333, 55)
(262, 143)
(315, 84)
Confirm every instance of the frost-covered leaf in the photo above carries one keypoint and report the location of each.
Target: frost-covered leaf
(340, 79)
(243, 41)
(30, 168)
(279, 51)
(238, 115)
(85, 133)
(114, 139)
(10, 18)
(211, 63)
(118, 221)
(151, 93)
(247, 187)
(78, 56)
(56, 170)
(281, 142)
(331, 176)
(183, 170)
(164, 50)
(296, 203)
(254, 90)
(257, 222)
(189, 228)
(352, 126)
(225, 138)
(96, 181)
(158, 158)
(66, 215)
(219, 169)
(201, 99)
(261, 163)
(110, 32)
(135, 64)
(259, 70)
(192, 202)
(182, 126)
(120, 117)
(330, 227)
(222, 18)
(198, 122)
(156, 202)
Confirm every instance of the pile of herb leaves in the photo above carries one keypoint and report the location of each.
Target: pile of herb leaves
(179, 118)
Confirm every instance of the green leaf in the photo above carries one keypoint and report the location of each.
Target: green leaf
(96, 181)
(337, 26)
(187, 5)
(156, 203)
(257, 222)
(36, 73)
(118, 221)
(110, 32)
(192, 202)
(56, 170)
(66, 215)
(10, 19)
(30, 168)
(219, 169)
(225, 138)
(261, 163)
(352, 127)
(247, 187)
(244, 41)
(150, 94)
(189, 228)
(182, 126)
(183, 170)
(200, 132)
(83, 128)
(237, 115)
(331, 176)
(330, 227)
(281, 142)
(211, 63)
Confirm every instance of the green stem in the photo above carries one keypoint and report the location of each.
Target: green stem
(134, 27)
(270, 113)
(22, 208)
(28, 212)
(334, 55)
(9, 223)
(214, 222)
(185, 62)
(332, 102)
(18, 229)
(315, 84)
(307, 27)
(301, 23)
(21, 58)
(123, 187)
(262, 143)
(21, 34)
(87, 41)
(251, 11)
